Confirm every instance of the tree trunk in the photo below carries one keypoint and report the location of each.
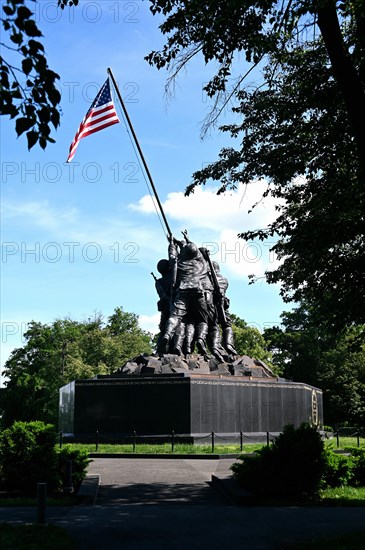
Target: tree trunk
(346, 75)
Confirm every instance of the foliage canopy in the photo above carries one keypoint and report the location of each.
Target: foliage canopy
(62, 351)
(303, 351)
(301, 127)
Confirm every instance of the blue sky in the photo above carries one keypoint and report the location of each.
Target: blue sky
(85, 237)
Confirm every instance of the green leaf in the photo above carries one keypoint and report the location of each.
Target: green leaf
(19, 22)
(55, 118)
(9, 10)
(16, 37)
(30, 110)
(54, 96)
(31, 28)
(24, 12)
(32, 137)
(44, 114)
(17, 93)
(5, 79)
(27, 65)
(23, 124)
(34, 46)
(7, 107)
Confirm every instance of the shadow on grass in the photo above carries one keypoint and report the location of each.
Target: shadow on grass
(348, 541)
(9, 499)
(34, 537)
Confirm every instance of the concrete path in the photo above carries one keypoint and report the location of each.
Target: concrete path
(158, 481)
(164, 504)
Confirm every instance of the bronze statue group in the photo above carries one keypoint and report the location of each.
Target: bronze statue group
(193, 304)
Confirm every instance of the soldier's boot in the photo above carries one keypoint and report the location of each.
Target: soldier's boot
(179, 339)
(201, 336)
(215, 338)
(164, 344)
(228, 342)
(189, 337)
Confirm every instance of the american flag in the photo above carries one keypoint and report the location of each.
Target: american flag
(101, 114)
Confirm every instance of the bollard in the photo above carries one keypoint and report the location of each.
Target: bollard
(134, 441)
(172, 441)
(97, 440)
(61, 438)
(41, 503)
(68, 488)
(212, 442)
(241, 441)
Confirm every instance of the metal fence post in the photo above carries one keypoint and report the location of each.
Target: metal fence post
(268, 439)
(241, 441)
(68, 488)
(134, 441)
(97, 440)
(212, 442)
(61, 438)
(41, 503)
(172, 441)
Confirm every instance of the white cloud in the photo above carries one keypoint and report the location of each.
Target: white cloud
(205, 209)
(149, 322)
(40, 214)
(215, 220)
(71, 224)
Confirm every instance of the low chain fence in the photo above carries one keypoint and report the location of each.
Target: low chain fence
(133, 439)
(346, 431)
(211, 438)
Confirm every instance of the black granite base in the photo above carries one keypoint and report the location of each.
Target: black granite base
(191, 405)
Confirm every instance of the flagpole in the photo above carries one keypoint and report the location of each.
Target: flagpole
(140, 152)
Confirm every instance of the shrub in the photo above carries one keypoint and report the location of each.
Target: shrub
(80, 461)
(27, 456)
(292, 466)
(339, 469)
(358, 461)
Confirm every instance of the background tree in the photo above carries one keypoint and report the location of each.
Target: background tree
(249, 341)
(54, 354)
(304, 352)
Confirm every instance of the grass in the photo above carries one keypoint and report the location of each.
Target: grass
(186, 448)
(34, 537)
(345, 442)
(164, 448)
(30, 501)
(343, 496)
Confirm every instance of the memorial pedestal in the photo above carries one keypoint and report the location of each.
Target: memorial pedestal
(186, 404)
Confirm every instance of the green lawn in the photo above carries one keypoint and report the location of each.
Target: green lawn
(185, 448)
(165, 448)
(60, 500)
(345, 442)
(343, 496)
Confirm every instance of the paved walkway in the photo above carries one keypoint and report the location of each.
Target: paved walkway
(168, 504)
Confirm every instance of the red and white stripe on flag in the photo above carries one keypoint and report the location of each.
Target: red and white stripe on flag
(101, 114)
